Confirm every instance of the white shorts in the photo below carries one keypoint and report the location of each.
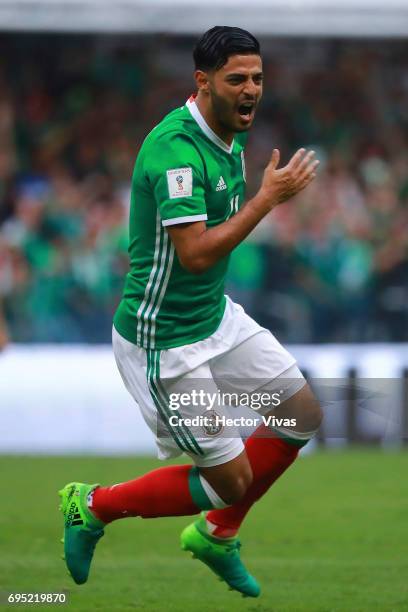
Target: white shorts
(241, 356)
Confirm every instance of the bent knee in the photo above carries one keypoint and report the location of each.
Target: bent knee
(236, 487)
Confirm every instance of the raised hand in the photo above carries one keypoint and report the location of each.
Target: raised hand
(280, 184)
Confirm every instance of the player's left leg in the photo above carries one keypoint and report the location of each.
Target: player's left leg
(259, 364)
(270, 453)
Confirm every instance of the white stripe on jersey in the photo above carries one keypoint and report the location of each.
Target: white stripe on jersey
(161, 294)
(150, 281)
(157, 284)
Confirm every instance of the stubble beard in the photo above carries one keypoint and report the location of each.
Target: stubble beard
(221, 110)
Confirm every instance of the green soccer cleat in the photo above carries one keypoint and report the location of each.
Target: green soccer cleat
(82, 529)
(221, 557)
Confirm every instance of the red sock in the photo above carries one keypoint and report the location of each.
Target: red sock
(269, 458)
(162, 492)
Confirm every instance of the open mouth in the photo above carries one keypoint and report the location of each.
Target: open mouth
(246, 109)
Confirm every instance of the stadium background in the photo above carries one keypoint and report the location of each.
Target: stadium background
(327, 273)
(331, 267)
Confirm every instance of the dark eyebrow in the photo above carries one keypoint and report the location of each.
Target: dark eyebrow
(239, 75)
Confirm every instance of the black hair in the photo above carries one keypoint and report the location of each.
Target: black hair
(216, 45)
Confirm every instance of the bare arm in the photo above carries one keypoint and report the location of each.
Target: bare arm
(199, 248)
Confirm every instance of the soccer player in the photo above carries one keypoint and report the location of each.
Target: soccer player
(175, 330)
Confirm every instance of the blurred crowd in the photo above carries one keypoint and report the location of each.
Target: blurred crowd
(330, 266)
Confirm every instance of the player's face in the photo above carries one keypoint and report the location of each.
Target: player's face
(235, 91)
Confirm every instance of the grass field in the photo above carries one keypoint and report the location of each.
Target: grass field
(331, 535)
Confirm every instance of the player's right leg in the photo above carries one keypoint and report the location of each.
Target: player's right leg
(167, 491)
(82, 529)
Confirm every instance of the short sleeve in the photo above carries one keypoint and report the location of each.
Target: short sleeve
(175, 171)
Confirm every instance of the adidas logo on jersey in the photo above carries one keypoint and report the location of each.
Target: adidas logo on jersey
(221, 185)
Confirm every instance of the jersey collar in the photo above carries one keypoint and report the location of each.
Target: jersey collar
(193, 108)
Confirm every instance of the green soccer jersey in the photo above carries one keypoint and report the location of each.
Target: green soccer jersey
(184, 172)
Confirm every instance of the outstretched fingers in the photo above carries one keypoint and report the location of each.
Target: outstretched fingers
(296, 160)
(305, 163)
(309, 172)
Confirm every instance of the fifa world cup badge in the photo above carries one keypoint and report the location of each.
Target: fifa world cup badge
(180, 182)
